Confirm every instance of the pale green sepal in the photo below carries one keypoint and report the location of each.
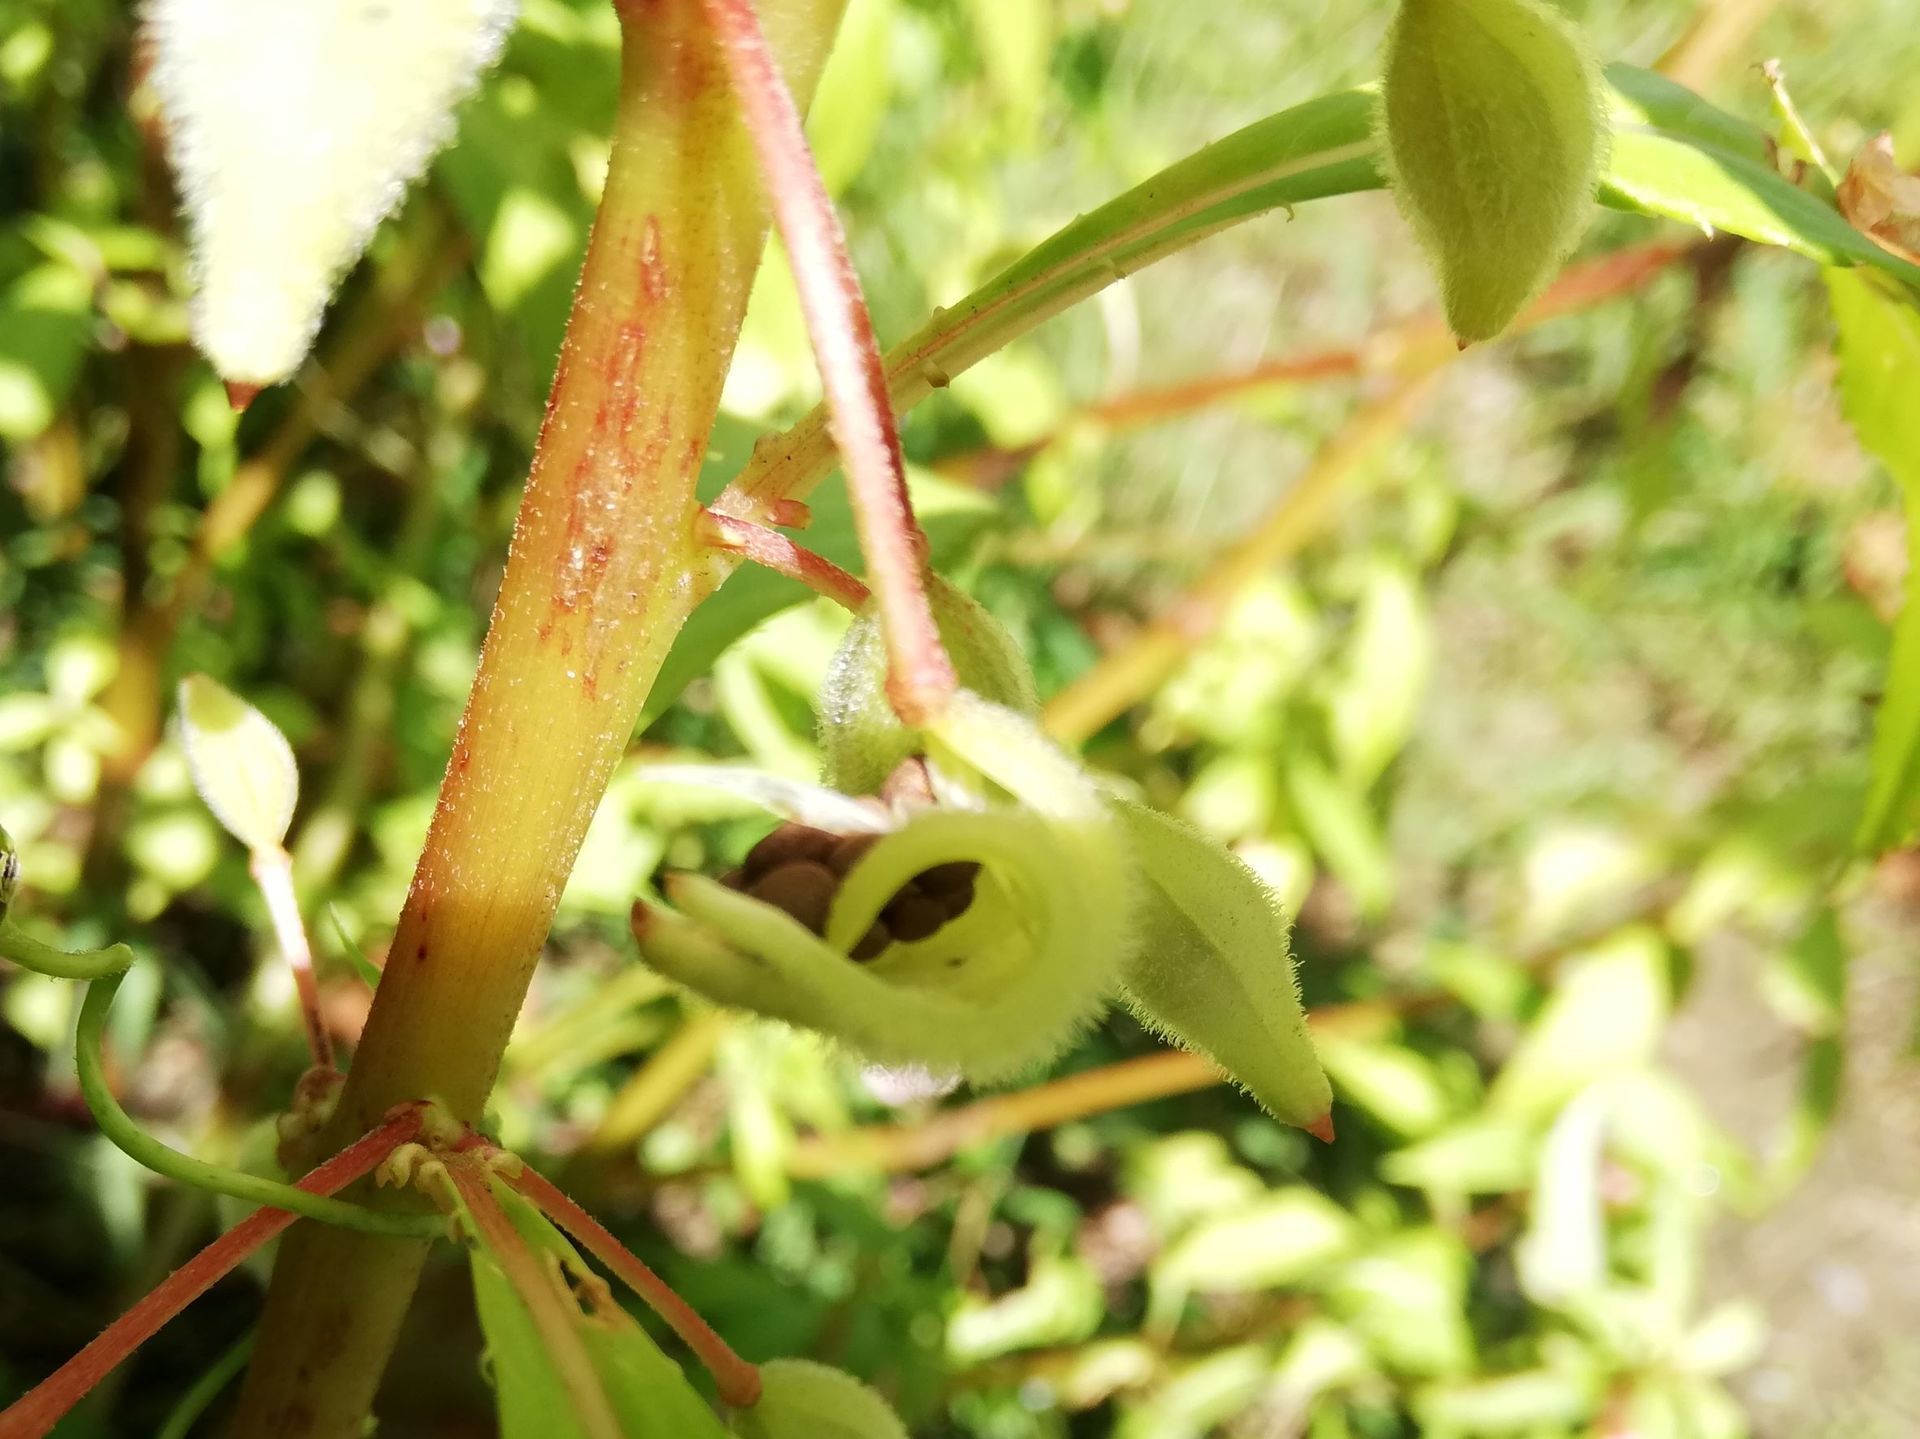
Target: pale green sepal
(861, 739)
(1001, 989)
(1212, 969)
(1493, 117)
(800, 1399)
(241, 763)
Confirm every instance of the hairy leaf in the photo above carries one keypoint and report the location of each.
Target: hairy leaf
(1492, 119)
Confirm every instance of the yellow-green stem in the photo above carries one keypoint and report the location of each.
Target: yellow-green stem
(598, 582)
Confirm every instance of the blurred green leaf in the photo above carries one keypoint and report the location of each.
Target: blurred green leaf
(850, 101)
(45, 322)
(1605, 1015)
(1806, 982)
(1060, 1303)
(1393, 1084)
(1540, 1401)
(1879, 340)
(1486, 1155)
(1280, 1239)
(1562, 1258)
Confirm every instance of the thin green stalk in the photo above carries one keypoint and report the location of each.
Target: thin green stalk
(29, 953)
(126, 1135)
(207, 1388)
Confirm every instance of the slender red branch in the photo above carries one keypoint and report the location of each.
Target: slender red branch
(920, 676)
(43, 1406)
(737, 1380)
(776, 552)
(541, 1293)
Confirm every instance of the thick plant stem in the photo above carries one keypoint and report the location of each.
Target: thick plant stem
(597, 584)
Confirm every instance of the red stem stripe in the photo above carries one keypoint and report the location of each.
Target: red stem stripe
(920, 675)
(43, 1406)
(737, 1380)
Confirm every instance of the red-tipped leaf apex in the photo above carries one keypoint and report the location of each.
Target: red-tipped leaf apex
(240, 394)
(1322, 1128)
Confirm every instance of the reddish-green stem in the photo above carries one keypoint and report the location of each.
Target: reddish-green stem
(272, 870)
(736, 1379)
(772, 550)
(860, 412)
(602, 573)
(43, 1406)
(541, 1293)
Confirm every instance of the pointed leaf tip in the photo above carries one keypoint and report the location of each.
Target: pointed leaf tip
(1321, 1128)
(240, 394)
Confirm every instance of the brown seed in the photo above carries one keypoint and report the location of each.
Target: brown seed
(951, 884)
(786, 844)
(959, 874)
(734, 879)
(844, 855)
(912, 915)
(804, 889)
(872, 942)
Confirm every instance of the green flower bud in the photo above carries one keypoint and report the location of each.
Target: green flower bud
(803, 1400)
(1492, 112)
(862, 741)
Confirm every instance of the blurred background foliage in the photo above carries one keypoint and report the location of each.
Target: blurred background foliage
(1554, 732)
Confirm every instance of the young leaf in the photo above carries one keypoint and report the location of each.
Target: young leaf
(295, 128)
(1492, 117)
(803, 1400)
(241, 763)
(567, 1362)
(1212, 968)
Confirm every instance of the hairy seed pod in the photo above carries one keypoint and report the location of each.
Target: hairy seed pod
(1492, 118)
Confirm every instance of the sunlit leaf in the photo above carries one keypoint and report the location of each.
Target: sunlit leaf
(1061, 1303)
(242, 765)
(294, 130)
(1562, 1256)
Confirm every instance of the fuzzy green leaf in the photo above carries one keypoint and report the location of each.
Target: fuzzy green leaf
(1212, 967)
(1492, 118)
